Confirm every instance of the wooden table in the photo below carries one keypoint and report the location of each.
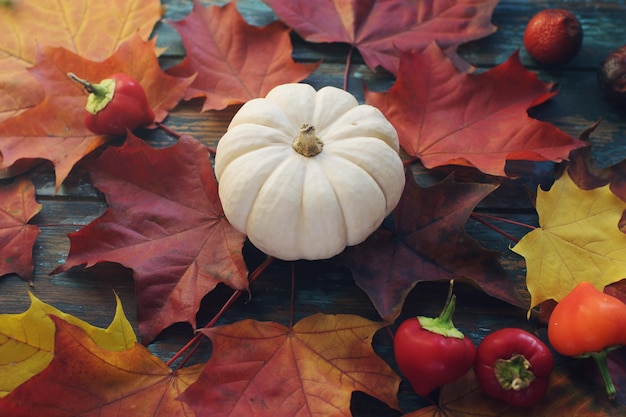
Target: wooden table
(323, 287)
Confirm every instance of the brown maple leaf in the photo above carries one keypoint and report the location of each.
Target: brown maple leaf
(381, 29)
(570, 393)
(54, 129)
(84, 379)
(92, 29)
(587, 175)
(17, 237)
(444, 116)
(234, 61)
(267, 369)
(429, 243)
(166, 223)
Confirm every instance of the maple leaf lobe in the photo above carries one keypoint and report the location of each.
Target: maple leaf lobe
(266, 369)
(447, 117)
(222, 62)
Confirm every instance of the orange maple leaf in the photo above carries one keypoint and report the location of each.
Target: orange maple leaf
(234, 61)
(93, 29)
(267, 369)
(84, 379)
(54, 130)
(17, 207)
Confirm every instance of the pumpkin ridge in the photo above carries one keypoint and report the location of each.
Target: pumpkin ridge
(354, 207)
(233, 178)
(354, 123)
(262, 199)
(391, 196)
(337, 202)
(331, 104)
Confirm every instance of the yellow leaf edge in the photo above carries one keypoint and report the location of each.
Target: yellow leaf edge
(27, 340)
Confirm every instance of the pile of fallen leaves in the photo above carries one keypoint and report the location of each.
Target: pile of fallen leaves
(160, 197)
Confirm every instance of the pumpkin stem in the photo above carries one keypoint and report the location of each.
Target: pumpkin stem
(307, 144)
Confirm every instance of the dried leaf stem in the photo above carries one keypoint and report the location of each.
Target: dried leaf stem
(194, 343)
(481, 218)
(346, 72)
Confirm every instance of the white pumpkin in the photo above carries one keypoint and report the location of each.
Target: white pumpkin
(305, 173)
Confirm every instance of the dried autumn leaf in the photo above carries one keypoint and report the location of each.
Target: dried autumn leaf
(84, 379)
(32, 136)
(584, 174)
(54, 130)
(92, 29)
(429, 243)
(587, 176)
(569, 394)
(381, 29)
(27, 340)
(617, 290)
(267, 369)
(165, 222)
(446, 117)
(578, 240)
(234, 61)
(17, 237)
(135, 57)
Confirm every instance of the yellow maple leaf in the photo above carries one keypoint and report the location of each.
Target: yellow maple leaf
(578, 240)
(27, 340)
(84, 379)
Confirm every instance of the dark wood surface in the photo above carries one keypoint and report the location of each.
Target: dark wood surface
(321, 286)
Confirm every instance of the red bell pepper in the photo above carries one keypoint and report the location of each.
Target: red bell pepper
(589, 323)
(117, 103)
(514, 366)
(432, 352)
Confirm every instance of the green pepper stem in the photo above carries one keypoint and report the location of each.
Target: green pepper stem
(443, 324)
(448, 310)
(514, 373)
(603, 367)
(100, 95)
(91, 88)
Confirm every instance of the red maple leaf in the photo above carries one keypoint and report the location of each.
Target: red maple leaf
(380, 29)
(234, 61)
(17, 207)
(429, 244)
(165, 221)
(444, 116)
